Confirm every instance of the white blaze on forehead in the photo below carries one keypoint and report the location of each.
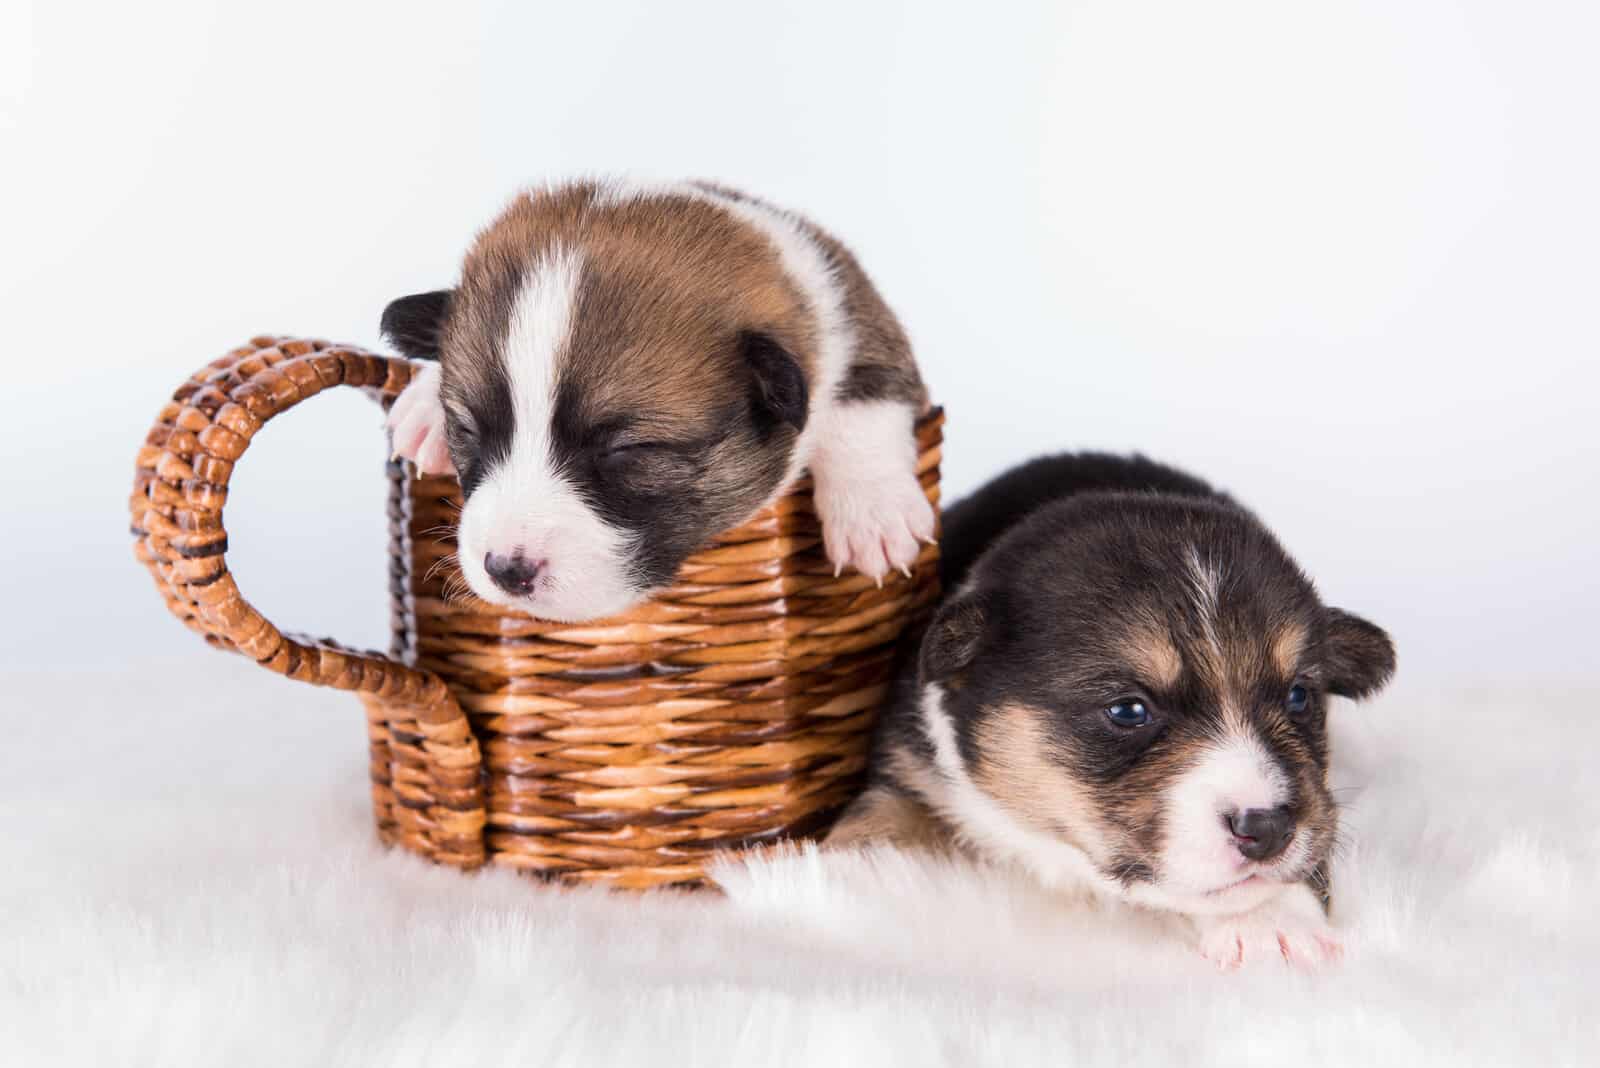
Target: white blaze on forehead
(536, 340)
(1205, 585)
(526, 504)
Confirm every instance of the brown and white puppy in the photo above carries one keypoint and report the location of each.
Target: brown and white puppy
(627, 369)
(1126, 692)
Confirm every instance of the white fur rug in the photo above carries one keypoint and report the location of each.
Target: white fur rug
(193, 880)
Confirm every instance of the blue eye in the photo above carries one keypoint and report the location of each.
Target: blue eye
(1298, 701)
(1128, 713)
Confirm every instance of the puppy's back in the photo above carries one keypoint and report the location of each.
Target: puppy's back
(977, 520)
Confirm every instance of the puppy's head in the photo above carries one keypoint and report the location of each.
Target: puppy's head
(622, 380)
(1145, 679)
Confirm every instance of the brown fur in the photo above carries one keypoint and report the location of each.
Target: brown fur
(1289, 647)
(885, 815)
(667, 281)
(883, 367)
(1019, 766)
(1149, 650)
(671, 288)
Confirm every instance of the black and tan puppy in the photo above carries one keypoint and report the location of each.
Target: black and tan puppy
(627, 369)
(1126, 692)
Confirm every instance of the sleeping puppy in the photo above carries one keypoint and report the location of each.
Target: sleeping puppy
(1126, 692)
(626, 370)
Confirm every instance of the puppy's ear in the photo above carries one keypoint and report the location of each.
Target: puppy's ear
(412, 324)
(778, 390)
(955, 637)
(1360, 657)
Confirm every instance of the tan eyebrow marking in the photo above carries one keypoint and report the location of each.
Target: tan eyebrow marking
(1288, 644)
(1153, 655)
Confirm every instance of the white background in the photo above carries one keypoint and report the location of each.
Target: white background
(1340, 258)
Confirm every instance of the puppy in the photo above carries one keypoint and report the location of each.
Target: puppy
(1126, 692)
(626, 370)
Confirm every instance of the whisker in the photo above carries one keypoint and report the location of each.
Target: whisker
(456, 593)
(435, 567)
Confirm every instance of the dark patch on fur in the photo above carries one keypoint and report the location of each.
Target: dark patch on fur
(778, 391)
(1129, 871)
(955, 637)
(413, 324)
(1359, 657)
(1321, 884)
(881, 381)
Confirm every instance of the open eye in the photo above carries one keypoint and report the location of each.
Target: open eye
(1297, 700)
(1129, 713)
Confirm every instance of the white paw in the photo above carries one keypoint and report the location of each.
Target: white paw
(1269, 934)
(873, 521)
(417, 423)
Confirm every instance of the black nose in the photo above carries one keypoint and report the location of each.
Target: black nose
(515, 573)
(1261, 833)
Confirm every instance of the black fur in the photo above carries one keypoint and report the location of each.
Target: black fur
(1360, 657)
(973, 524)
(655, 487)
(481, 426)
(413, 324)
(778, 391)
(881, 381)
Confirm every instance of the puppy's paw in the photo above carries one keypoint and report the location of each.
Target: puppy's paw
(873, 521)
(1269, 933)
(417, 424)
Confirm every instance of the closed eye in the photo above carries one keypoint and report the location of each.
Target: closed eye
(635, 446)
(647, 468)
(460, 424)
(632, 451)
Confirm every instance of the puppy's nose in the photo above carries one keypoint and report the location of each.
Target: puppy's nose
(1261, 833)
(515, 574)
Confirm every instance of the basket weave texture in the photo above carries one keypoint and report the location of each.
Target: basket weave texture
(732, 709)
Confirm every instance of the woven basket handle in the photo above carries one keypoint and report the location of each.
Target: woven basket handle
(180, 487)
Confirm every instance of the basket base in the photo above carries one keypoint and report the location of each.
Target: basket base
(411, 807)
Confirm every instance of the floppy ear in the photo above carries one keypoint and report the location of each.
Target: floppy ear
(1360, 657)
(954, 638)
(778, 390)
(412, 324)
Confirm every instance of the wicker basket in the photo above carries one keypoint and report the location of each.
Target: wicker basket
(732, 709)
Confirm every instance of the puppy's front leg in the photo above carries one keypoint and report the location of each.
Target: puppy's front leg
(1291, 927)
(418, 424)
(873, 511)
